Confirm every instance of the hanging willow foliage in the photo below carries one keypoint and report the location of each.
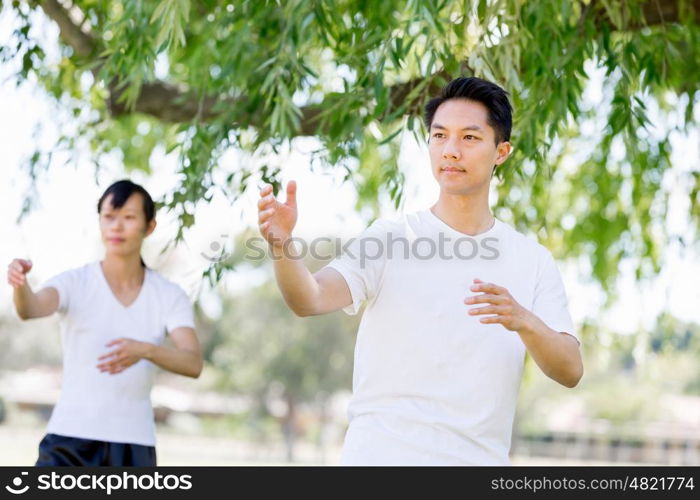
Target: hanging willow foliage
(255, 75)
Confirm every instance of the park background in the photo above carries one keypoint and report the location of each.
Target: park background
(201, 102)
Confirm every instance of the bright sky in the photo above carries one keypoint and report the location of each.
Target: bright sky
(62, 231)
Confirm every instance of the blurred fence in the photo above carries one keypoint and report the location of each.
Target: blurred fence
(651, 449)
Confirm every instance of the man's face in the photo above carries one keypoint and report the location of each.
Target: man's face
(123, 229)
(462, 146)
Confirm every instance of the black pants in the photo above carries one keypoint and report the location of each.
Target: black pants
(55, 450)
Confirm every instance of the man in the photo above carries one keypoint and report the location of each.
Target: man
(441, 346)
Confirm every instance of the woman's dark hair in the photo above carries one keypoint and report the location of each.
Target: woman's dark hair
(121, 191)
(500, 112)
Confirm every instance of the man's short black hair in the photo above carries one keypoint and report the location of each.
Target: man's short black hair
(500, 112)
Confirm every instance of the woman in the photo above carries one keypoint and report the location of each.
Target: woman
(114, 317)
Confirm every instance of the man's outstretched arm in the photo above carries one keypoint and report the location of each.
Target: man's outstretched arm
(305, 293)
(556, 353)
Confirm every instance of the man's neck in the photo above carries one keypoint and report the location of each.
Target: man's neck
(123, 271)
(467, 214)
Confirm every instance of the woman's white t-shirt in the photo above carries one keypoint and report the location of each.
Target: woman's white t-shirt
(101, 406)
(431, 384)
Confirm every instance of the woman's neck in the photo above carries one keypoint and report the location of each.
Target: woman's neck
(123, 270)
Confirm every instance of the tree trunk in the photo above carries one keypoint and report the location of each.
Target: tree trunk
(322, 430)
(289, 428)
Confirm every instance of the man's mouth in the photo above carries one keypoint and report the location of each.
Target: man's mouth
(452, 169)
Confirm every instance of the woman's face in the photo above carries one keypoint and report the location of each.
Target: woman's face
(124, 229)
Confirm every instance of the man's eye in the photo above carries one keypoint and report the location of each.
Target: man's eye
(469, 137)
(438, 135)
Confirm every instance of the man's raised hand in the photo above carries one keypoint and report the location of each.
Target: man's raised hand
(277, 220)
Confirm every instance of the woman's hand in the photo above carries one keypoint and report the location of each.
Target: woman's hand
(16, 272)
(127, 352)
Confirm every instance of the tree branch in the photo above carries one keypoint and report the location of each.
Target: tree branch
(165, 101)
(655, 12)
(663, 11)
(171, 104)
(81, 42)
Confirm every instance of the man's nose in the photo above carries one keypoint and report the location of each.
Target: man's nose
(450, 151)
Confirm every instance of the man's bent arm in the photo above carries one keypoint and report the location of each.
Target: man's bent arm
(308, 294)
(556, 353)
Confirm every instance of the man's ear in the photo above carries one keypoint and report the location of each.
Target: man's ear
(503, 149)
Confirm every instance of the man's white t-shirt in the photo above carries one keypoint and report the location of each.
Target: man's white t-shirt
(431, 384)
(101, 406)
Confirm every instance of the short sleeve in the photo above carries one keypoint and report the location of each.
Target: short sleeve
(550, 303)
(64, 284)
(362, 263)
(180, 312)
